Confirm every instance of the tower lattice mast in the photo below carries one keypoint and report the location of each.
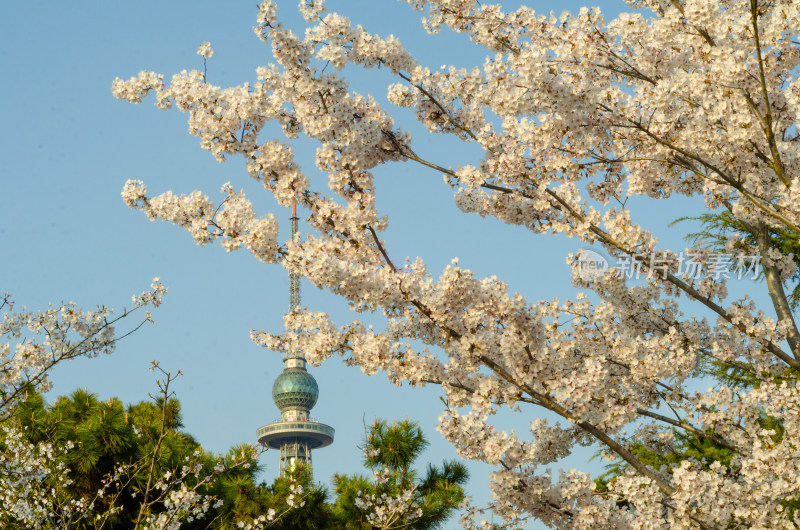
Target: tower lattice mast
(294, 279)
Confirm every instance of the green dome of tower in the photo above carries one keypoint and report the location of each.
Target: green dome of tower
(295, 388)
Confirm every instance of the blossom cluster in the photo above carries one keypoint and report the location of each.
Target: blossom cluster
(30, 475)
(385, 510)
(205, 50)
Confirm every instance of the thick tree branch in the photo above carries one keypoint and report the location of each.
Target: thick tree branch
(777, 163)
(775, 287)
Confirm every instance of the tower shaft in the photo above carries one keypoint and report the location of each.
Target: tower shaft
(293, 453)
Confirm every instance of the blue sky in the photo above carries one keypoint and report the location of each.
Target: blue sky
(68, 147)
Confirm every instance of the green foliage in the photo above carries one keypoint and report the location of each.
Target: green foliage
(244, 500)
(316, 512)
(441, 492)
(106, 435)
(394, 448)
(346, 514)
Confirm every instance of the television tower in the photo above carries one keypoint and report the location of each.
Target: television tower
(295, 393)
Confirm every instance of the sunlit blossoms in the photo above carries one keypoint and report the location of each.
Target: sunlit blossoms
(31, 479)
(205, 50)
(571, 116)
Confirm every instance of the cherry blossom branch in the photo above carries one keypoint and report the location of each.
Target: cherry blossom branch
(30, 365)
(632, 70)
(612, 444)
(547, 402)
(702, 31)
(443, 110)
(680, 423)
(166, 394)
(606, 238)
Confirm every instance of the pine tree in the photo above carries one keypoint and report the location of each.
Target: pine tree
(391, 451)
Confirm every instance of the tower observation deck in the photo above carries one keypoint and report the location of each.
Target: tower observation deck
(295, 392)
